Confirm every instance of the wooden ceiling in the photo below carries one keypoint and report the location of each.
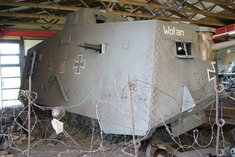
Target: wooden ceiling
(50, 14)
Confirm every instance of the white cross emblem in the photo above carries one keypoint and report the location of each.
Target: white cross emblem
(79, 64)
(211, 73)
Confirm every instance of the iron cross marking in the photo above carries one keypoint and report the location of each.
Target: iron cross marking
(79, 64)
(211, 73)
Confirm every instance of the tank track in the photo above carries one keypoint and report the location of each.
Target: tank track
(84, 125)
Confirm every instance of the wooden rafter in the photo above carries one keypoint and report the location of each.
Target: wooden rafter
(148, 16)
(125, 13)
(204, 8)
(226, 3)
(106, 7)
(84, 3)
(159, 6)
(227, 8)
(195, 8)
(38, 5)
(175, 13)
(212, 7)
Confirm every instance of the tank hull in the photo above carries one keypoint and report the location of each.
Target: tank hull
(136, 81)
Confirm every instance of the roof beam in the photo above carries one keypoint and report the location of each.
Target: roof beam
(227, 8)
(220, 2)
(125, 13)
(195, 8)
(84, 3)
(38, 5)
(159, 6)
(204, 22)
(74, 8)
(175, 12)
(23, 15)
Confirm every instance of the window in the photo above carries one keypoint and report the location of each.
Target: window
(10, 60)
(10, 72)
(10, 48)
(184, 50)
(100, 18)
(10, 83)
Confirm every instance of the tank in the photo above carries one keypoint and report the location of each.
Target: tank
(132, 76)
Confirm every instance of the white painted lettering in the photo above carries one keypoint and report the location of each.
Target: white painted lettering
(173, 31)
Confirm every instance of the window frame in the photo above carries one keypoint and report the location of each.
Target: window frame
(187, 55)
(20, 55)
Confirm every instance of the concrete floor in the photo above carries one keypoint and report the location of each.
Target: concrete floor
(86, 144)
(66, 148)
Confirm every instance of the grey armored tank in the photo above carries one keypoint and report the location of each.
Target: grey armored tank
(129, 75)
